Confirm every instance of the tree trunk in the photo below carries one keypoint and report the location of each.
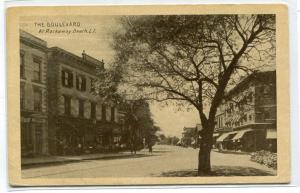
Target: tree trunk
(204, 167)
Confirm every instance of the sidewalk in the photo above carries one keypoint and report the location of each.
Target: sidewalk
(43, 160)
(231, 152)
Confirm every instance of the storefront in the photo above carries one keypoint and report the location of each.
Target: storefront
(271, 139)
(224, 142)
(33, 135)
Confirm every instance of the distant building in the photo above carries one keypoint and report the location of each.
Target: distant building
(33, 95)
(246, 120)
(78, 117)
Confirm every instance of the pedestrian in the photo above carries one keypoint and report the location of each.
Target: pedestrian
(79, 148)
(150, 148)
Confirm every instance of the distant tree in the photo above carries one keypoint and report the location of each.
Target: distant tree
(162, 138)
(191, 60)
(175, 140)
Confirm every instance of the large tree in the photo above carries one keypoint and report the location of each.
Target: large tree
(191, 60)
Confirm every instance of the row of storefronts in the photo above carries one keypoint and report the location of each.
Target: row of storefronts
(246, 121)
(247, 140)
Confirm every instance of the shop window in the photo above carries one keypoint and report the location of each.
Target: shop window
(81, 107)
(103, 114)
(67, 105)
(93, 110)
(112, 117)
(38, 138)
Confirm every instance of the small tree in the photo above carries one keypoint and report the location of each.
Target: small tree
(191, 60)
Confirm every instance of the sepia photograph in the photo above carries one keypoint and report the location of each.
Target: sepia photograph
(134, 96)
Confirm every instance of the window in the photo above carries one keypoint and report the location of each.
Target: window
(81, 108)
(267, 89)
(67, 100)
(93, 110)
(267, 115)
(250, 117)
(112, 117)
(22, 65)
(103, 112)
(22, 96)
(93, 85)
(67, 78)
(80, 83)
(38, 137)
(37, 100)
(250, 98)
(37, 70)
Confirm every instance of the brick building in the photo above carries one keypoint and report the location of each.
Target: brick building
(78, 117)
(246, 120)
(33, 95)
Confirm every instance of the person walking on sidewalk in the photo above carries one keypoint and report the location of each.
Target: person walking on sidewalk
(150, 148)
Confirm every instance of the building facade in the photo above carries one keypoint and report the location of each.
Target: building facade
(246, 120)
(78, 119)
(33, 95)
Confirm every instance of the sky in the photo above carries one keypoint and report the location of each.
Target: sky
(97, 45)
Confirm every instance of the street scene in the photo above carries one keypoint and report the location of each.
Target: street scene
(148, 96)
(156, 164)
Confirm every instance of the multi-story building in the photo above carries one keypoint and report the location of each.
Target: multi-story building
(78, 119)
(246, 119)
(33, 95)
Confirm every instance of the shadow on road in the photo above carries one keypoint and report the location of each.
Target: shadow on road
(221, 171)
(129, 156)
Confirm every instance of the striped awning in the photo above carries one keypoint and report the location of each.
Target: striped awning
(224, 136)
(241, 133)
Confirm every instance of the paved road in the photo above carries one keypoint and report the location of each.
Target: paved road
(165, 161)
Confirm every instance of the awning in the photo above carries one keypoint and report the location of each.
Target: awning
(240, 134)
(225, 136)
(271, 134)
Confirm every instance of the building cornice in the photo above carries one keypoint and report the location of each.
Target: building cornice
(33, 44)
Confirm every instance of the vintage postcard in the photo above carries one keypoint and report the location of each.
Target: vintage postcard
(148, 95)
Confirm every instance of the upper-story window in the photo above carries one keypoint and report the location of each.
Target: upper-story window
(22, 65)
(37, 63)
(93, 81)
(80, 83)
(37, 99)
(81, 107)
(67, 105)
(67, 78)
